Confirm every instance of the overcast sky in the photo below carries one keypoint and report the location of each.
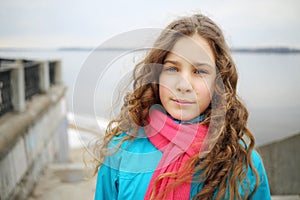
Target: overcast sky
(56, 23)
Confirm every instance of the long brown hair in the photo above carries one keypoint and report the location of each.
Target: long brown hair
(225, 164)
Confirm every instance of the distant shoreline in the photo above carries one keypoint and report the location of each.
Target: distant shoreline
(270, 50)
(277, 50)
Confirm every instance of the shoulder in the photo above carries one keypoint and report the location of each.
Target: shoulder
(263, 190)
(139, 144)
(257, 164)
(138, 155)
(256, 159)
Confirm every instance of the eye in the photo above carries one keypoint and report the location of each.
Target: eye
(200, 71)
(170, 69)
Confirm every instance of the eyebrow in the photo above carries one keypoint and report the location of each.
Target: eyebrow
(196, 64)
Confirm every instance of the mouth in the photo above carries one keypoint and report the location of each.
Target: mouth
(182, 102)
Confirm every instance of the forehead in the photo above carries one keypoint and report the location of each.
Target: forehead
(194, 49)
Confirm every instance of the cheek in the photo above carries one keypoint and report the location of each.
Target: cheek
(165, 81)
(165, 85)
(163, 92)
(204, 90)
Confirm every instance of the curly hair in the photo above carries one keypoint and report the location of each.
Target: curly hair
(228, 155)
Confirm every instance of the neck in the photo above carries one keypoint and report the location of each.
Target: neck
(195, 120)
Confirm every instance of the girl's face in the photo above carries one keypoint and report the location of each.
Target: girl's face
(187, 79)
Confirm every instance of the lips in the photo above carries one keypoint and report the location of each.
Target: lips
(182, 101)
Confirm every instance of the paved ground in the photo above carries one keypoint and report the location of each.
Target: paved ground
(65, 181)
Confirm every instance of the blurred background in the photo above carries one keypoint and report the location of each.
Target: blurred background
(70, 30)
(263, 36)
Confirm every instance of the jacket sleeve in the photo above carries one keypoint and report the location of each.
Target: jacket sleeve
(108, 175)
(263, 190)
(107, 184)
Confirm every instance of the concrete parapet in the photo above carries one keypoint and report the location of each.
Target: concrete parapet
(30, 140)
(282, 163)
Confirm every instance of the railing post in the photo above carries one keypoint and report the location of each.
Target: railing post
(58, 72)
(18, 87)
(44, 77)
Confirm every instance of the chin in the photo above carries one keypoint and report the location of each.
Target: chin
(182, 116)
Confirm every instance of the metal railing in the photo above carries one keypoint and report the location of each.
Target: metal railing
(5, 93)
(32, 79)
(52, 72)
(4, 62)
(21, 79)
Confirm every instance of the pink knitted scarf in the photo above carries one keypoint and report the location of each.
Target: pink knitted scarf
(178, 143)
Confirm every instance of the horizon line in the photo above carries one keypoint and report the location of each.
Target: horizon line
(262, 49)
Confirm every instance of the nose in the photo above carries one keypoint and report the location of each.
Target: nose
(183, 85)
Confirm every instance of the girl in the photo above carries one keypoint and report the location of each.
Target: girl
(181, 133)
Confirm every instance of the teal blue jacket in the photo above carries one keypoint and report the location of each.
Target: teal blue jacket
(126, 174)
